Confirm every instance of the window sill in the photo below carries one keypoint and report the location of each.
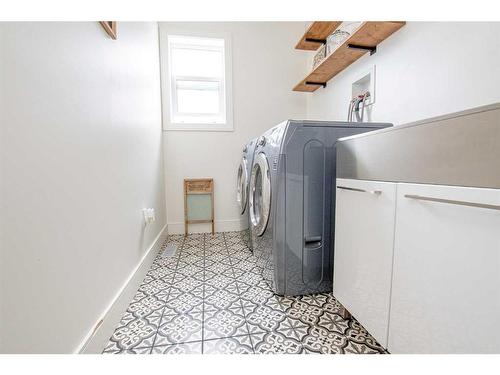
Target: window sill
(198, 127)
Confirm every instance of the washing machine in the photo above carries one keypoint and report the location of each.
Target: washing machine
(291, 203)
(243, 183)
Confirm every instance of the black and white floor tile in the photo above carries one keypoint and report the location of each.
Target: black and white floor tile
(211, 298)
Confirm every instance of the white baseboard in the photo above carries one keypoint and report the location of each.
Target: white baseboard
(220, 226)
(98, 337)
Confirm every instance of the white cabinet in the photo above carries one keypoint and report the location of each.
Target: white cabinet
(364, 234)
(446, 277)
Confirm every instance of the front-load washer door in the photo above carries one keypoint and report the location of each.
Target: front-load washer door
(241, 194)
(260, 194)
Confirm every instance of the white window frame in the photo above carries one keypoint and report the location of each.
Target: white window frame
(169, 92)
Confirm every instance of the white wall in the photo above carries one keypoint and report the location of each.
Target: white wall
(81, 155)
(423, 70)
(265, 69)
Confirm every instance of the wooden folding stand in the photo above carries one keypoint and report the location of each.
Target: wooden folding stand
(198, 187)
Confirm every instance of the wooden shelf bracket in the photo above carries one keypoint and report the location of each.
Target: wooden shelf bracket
(372, 50)
(315, 40)
(316, 83)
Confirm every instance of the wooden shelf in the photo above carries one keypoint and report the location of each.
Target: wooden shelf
(368, 35)
(317, 31)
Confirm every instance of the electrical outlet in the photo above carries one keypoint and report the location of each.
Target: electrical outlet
(149, 215)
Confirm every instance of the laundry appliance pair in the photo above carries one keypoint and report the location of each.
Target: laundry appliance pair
(289, 196)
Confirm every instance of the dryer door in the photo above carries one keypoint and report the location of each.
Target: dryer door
(260, 194)
(241, 194)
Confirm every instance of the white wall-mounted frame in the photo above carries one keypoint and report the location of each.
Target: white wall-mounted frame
(110, 28)
(224, 122)
(365, 82)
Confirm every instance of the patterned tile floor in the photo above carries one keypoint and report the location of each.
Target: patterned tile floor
(210, 298)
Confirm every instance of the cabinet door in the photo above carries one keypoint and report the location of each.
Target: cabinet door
(364, 235)
(446, 278)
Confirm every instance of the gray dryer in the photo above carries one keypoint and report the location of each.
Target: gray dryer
(291, 202)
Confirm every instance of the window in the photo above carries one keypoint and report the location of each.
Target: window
(198, 83)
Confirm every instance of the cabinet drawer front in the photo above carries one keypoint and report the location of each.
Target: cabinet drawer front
(446, 283)
(364, 233)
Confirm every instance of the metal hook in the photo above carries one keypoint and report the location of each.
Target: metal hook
(352, 105)
(363, 100)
